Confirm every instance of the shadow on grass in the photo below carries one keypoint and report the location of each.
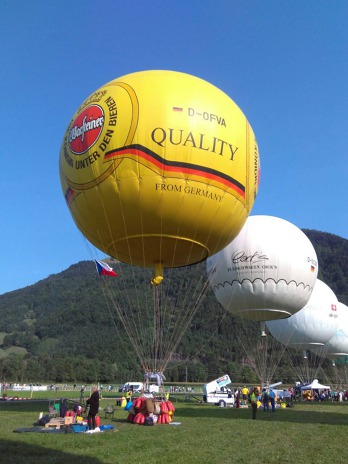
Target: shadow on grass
(280, 415)
(24, 406)
(17, 452)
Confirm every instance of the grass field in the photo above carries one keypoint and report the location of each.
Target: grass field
(305, 434)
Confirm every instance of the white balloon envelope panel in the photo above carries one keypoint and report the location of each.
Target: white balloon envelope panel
(313, 325)
(337, 346)
(267, 272)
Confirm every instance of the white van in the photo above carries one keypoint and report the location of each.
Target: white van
(218, 393)
(136, 387)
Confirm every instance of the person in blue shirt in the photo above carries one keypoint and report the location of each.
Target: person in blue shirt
(265, 400)
(272, 399)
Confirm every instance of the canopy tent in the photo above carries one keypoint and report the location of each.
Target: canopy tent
(315, 385)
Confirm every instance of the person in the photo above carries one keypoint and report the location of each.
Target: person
(77, 410)
(82, 398)
(237, 396)
(93, 403)
(272, 399)
(253, 399)
(63, 407)
(265, 400)
(245, 392)
(129, 394)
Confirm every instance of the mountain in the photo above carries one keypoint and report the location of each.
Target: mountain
(332, 253)
(63, 329)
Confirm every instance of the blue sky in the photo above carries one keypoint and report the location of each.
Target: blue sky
(283, 62)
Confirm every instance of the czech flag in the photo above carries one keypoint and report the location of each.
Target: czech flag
(104, 269)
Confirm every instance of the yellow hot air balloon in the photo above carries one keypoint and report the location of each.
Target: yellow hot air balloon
(159, 169)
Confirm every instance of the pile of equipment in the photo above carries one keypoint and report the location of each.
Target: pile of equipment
(150, 411)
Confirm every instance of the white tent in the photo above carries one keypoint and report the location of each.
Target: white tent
(315, 385)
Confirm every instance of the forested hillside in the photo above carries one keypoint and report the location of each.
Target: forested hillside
(61, 329)
(332, 252)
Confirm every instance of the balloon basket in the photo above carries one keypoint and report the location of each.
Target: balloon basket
(147, 410)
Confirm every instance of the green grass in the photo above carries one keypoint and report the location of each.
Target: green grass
(306, 434)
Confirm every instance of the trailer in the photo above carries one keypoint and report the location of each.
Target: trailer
(217, 392)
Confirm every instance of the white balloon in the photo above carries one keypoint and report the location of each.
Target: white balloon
(313, 325)
(267, 272)
(337, 346)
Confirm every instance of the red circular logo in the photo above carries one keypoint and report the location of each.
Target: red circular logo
(86, 129)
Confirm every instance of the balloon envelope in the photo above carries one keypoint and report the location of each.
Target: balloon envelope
(337, 346)
(314, 324)
(159, 168)
(267, 272)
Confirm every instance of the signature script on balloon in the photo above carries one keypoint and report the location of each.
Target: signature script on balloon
(242, 257)
(244, 261)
